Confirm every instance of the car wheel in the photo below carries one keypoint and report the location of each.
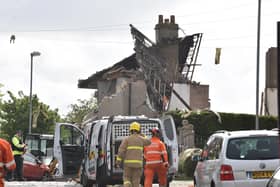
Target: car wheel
(168, 184)
(46, 177)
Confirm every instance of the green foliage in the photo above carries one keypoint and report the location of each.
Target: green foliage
(15, 115)
(207, 122)
(81, 109)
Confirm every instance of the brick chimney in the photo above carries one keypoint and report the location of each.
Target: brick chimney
(166, 30)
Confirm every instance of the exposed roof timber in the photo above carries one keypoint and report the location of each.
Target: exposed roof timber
(127, 64)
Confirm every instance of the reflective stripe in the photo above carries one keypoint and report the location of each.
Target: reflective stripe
(163, 152)
(126, 182)
(9, 164)
(154, 162)
(133, 161)
(119, 158)
(135, 147)
(153, 152)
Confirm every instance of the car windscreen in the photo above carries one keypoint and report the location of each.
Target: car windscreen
(253, 148)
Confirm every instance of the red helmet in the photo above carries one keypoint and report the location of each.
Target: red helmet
(155, 130)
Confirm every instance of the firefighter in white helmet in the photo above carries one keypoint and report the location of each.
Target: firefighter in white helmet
(130, 153)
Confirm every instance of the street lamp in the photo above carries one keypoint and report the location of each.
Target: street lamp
(34, 53)
(257, 126)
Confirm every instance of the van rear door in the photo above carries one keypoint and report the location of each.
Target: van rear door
(93, 152)
(68, 149)
(170, 138)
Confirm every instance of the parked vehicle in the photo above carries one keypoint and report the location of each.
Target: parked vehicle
(41, 146)
(237, 158)
(274, 181)
(34, 169)
(94, 150)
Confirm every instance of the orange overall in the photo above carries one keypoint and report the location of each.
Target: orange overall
(156, 162)
(6, 159)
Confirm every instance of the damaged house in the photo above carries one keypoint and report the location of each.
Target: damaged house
(156, 78)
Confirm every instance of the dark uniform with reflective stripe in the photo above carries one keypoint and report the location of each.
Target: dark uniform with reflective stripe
(131, 154)
(18, 150)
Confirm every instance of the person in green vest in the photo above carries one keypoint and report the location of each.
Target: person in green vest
(19, 148)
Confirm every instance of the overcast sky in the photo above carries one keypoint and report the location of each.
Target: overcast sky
(76, 38)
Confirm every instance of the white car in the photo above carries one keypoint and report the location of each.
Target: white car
(274, 181)
(237, 159)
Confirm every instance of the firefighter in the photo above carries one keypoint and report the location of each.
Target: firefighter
(130, 153)
(156, 160)
(7, 161)
(19, 148)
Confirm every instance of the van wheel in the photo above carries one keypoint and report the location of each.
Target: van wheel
(194, 182)
(100, 185)
(85, 182)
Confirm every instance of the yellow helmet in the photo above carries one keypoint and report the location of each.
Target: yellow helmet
(134, 126)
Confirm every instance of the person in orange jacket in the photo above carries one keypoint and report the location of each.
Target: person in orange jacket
(156, 160)
(7, 161)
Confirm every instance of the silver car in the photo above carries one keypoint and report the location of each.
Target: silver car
(237, 158)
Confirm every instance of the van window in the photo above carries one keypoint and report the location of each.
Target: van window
(70, 136)
(253, 148)
(168, 128)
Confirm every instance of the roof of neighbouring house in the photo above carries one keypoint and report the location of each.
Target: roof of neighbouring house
(122, 68)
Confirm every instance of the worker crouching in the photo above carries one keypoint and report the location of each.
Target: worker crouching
(156, 160)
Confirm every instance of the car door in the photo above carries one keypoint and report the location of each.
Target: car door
(207, 166)
(68, 149)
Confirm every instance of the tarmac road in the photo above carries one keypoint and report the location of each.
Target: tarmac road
(74, 184)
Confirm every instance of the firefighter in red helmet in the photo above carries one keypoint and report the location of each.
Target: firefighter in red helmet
(156, 160)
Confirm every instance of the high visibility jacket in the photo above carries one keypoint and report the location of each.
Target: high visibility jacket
(156, 152)
(131, 150)
(6, 159)
(17, 145)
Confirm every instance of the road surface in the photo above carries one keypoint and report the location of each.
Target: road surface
(74, 184)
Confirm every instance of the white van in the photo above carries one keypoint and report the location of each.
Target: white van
(94, 150)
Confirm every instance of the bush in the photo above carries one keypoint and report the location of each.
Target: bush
(186, 165)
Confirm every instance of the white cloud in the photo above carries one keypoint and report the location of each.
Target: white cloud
(78, 38)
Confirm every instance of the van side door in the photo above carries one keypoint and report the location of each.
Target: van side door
(170, 139)
(68, 149)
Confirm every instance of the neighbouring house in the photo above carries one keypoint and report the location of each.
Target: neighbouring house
(156, 78)
(269, 99)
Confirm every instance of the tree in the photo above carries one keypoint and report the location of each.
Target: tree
(15, 115)
(81, 109)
